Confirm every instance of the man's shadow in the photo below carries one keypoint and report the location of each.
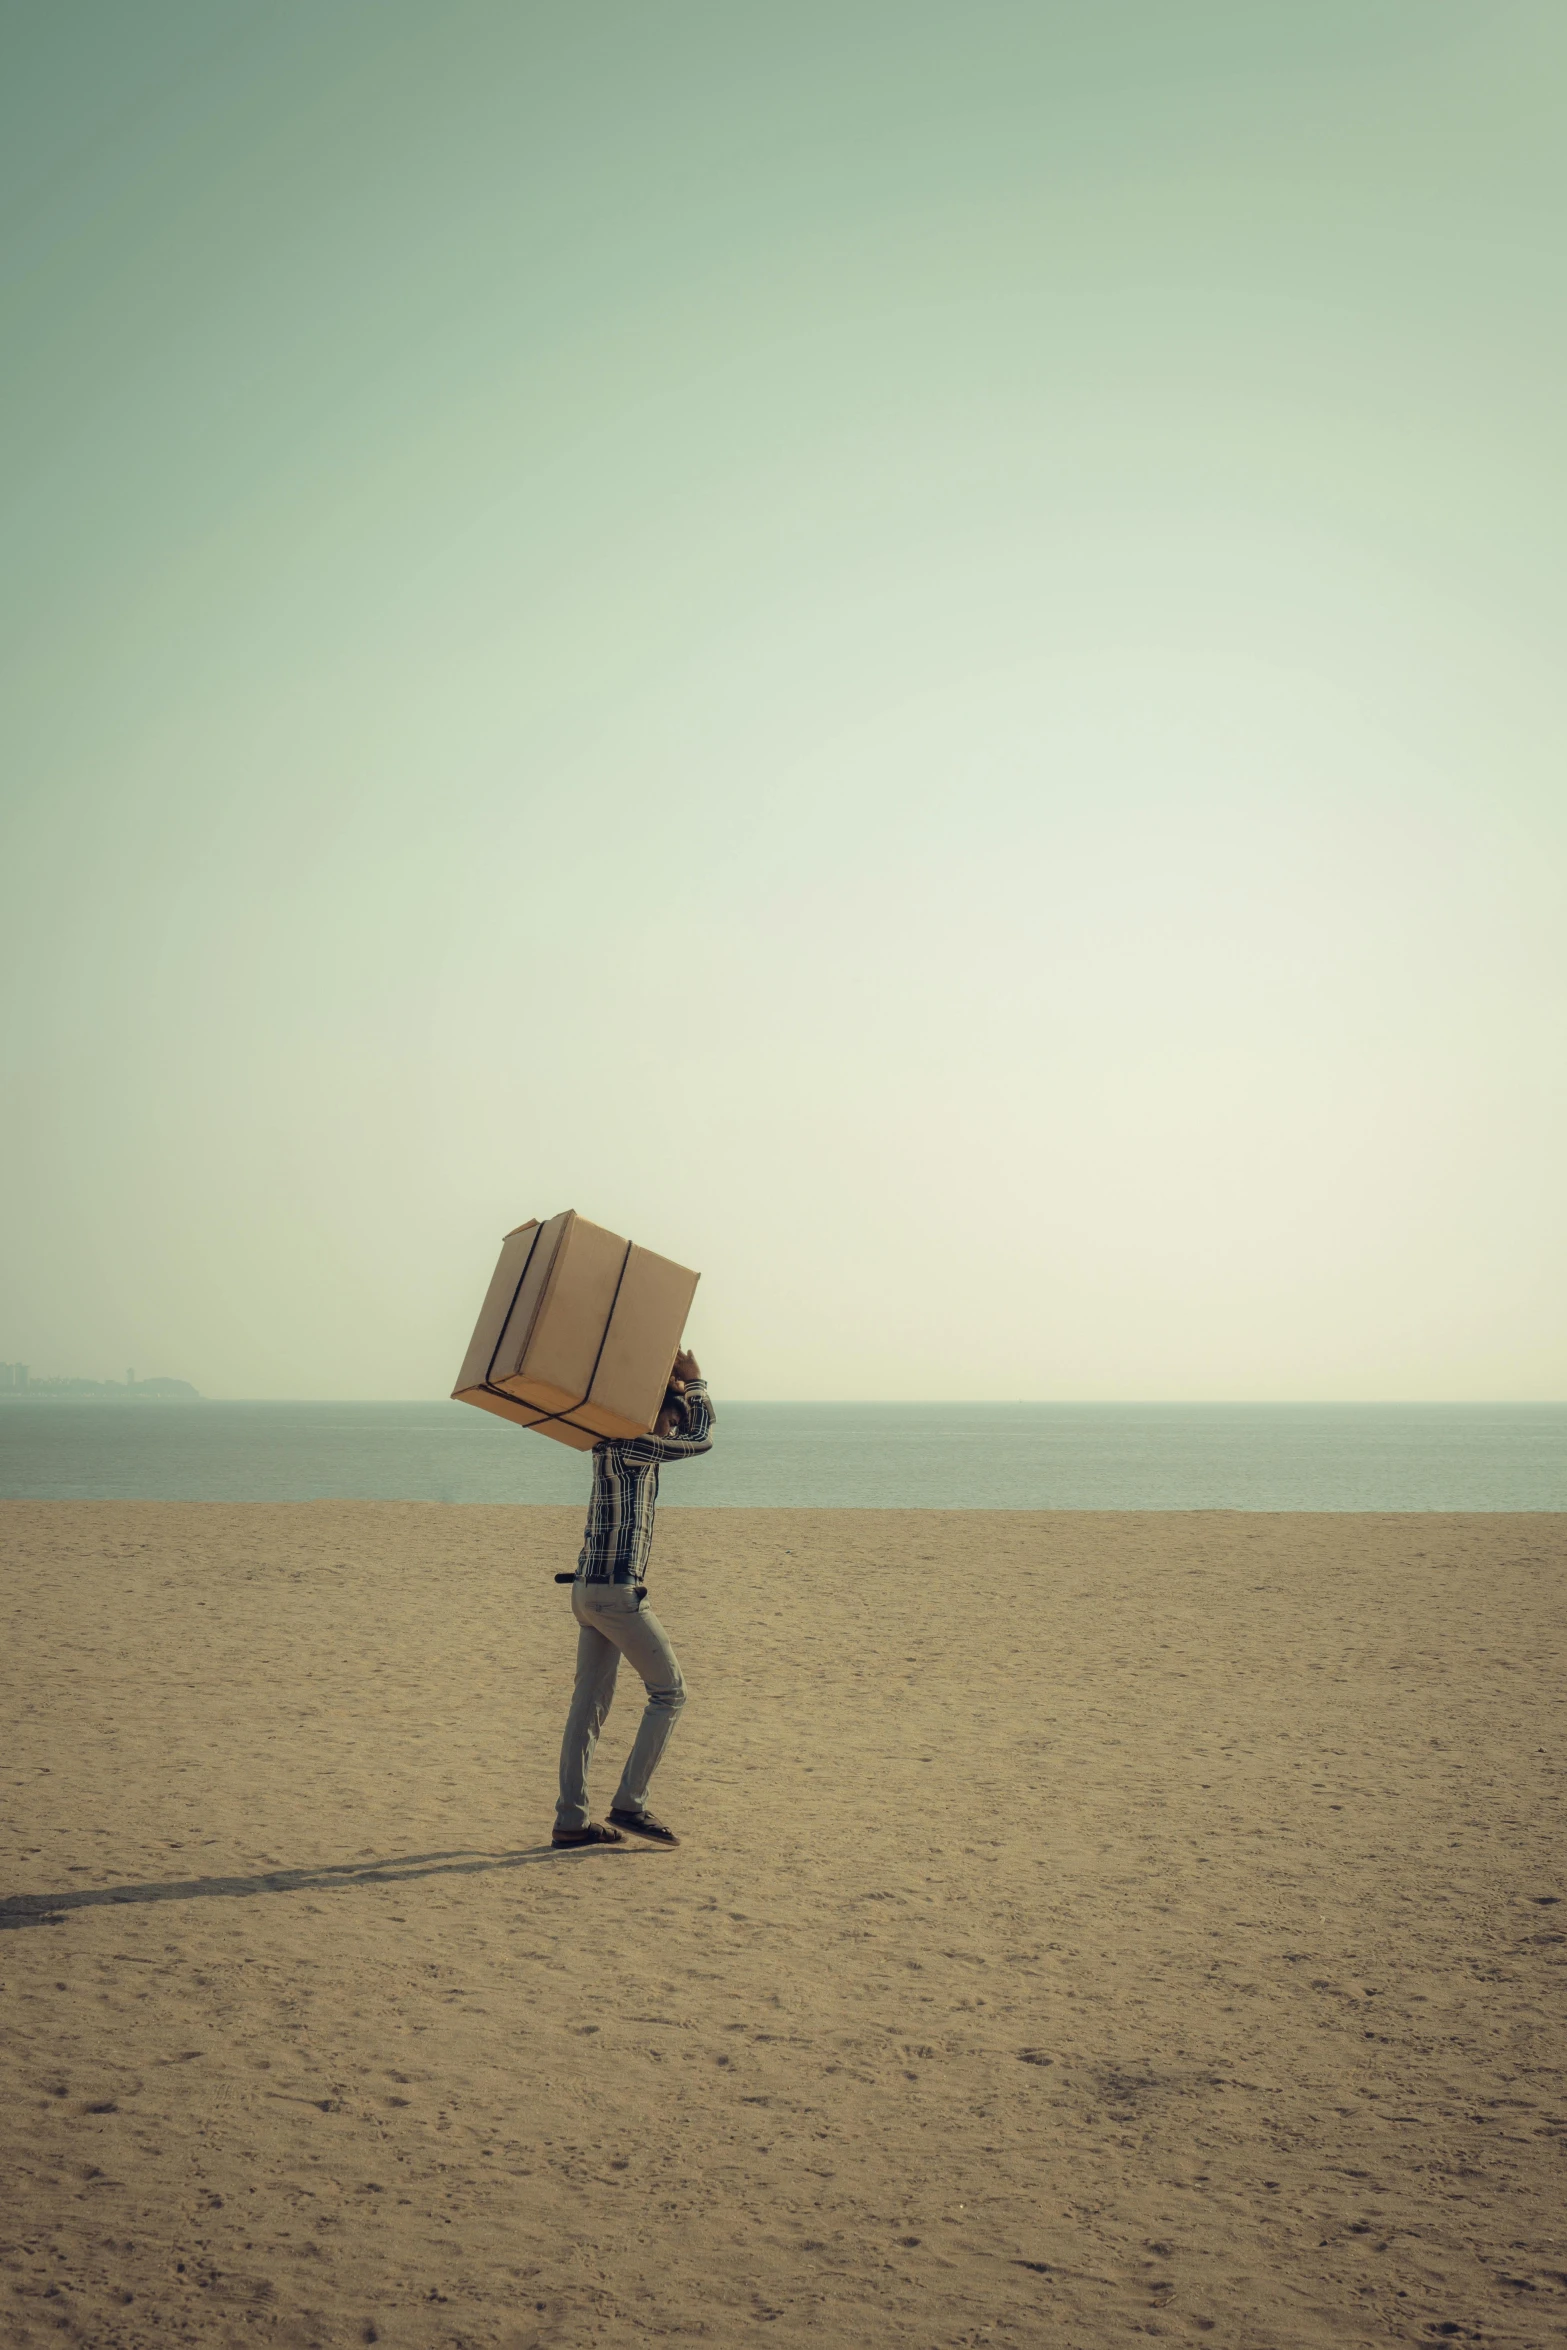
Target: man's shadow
(51, 1909)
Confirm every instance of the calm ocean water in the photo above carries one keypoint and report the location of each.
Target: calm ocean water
(817, 1456)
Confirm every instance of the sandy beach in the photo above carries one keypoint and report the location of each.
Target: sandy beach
(1087, 1926)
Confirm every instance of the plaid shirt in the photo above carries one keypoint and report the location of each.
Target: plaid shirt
(619, 1531)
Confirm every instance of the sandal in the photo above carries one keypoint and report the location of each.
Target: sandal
(593, 1834)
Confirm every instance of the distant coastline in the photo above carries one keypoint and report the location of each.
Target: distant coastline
(17, 1384)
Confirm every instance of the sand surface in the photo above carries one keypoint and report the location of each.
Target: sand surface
(1088, 1926)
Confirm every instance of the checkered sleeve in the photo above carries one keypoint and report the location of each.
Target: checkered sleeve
(699, 1424)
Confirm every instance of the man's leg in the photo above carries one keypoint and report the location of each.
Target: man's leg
(597, 1661)
(639, 1636)
(645, 1645)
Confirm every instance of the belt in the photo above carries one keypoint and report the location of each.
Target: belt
(639, 1588)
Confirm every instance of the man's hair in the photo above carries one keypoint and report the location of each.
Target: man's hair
(674, 1403)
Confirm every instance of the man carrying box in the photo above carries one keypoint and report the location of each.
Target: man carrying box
(608, 1599)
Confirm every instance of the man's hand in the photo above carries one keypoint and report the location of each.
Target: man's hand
(685, 1368)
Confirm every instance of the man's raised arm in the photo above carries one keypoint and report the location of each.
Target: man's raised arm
(687, 1392)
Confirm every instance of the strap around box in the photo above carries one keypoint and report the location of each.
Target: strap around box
(564, 1416)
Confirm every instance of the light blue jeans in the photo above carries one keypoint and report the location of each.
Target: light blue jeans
(612, 1626)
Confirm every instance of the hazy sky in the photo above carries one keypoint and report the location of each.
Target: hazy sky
(914, 652)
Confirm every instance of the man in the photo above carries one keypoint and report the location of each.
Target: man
(608, 1599)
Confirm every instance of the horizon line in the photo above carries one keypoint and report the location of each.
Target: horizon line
(922, 1403)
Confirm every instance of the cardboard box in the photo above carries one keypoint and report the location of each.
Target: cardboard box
(578, 1334)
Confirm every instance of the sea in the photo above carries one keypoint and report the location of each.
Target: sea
(961, 1456)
